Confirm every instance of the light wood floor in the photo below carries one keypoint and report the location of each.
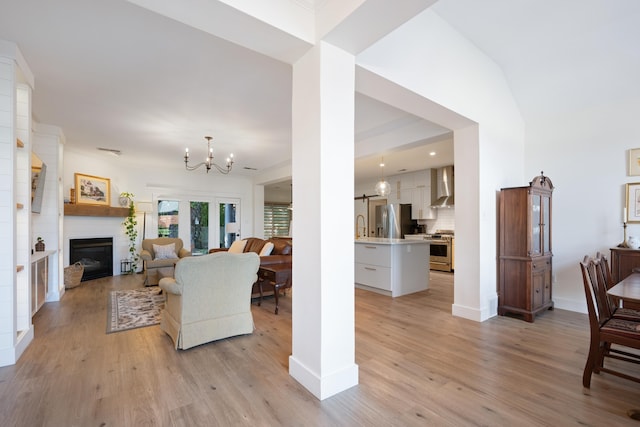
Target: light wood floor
(418, 366)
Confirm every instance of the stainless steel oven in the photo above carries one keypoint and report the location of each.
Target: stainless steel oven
(440, 251)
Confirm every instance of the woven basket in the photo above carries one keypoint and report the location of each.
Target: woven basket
(72, 275)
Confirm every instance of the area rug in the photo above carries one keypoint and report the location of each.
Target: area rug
(134, 308)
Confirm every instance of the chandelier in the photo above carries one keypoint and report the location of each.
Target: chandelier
(382, 187)
(208, 161)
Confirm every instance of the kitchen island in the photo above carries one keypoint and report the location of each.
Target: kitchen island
(393, 267)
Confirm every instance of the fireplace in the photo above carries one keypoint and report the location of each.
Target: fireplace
(96, 255)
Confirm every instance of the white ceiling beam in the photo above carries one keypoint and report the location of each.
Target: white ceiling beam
(280, 29)
(357, 24)
(379, 88)
(285, 29)
(11, 50)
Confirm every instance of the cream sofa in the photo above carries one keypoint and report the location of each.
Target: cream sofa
(209, 298)
(154, 269)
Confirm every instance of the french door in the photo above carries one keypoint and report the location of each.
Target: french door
(204, 234)
(199, 227)
(204, 224)
(228, 220)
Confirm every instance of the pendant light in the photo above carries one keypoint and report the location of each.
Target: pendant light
(208, 161)
(382, 187)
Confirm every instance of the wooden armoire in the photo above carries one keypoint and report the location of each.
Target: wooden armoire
(524, 261)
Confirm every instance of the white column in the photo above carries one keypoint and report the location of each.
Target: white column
(22, 191)
(16, 329)
(323, 358)
(7, 213)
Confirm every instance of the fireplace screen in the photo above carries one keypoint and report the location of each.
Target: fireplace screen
(96, 255)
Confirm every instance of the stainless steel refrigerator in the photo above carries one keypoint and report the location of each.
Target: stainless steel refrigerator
(394, 221)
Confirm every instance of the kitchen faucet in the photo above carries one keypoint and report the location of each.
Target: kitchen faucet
(364, 228)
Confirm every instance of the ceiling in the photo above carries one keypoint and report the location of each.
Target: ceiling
(117, 76)
(558, 56)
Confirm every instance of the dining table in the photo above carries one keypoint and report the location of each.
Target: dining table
(628, 290)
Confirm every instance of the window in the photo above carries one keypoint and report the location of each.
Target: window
(276, 220)
(168, 218)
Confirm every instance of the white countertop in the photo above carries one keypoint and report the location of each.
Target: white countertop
(38, 255)
(384, 241)
(415, 236)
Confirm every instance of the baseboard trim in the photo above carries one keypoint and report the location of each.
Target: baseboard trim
(471, 313)
(9, 356)
(570, 304)
(327, 386)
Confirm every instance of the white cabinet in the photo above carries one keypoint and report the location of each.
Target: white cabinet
(404, 188)
(39, 280)
(374, 276)
(422, 195)
(392, 267)
(401, 188)
(421, 204)
(373, 266)
(374, 254)
(406, 195)
(394, 184)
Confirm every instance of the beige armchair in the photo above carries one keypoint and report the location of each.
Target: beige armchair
(209, 298)
(157, 265)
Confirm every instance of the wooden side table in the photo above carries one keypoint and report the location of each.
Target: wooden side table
(623, 261)
(276, 275)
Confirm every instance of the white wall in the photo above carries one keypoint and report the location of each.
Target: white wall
(147, 184)
(585, 154)
(460, 88)
(584, 151)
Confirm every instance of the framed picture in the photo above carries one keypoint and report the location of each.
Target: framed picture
(93, 190)
(632, 209)
(634, 162)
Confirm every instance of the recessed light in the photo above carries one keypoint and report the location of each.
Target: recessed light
(433, 153)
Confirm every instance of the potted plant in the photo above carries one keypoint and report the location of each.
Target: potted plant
(130, 228)
(124, 199)
(39, 244)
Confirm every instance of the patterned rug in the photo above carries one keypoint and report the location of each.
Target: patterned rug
(134, 308)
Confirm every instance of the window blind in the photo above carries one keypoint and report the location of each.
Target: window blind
(276, 220)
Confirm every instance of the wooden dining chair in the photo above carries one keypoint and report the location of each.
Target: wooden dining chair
(606, 330)
(604, 274)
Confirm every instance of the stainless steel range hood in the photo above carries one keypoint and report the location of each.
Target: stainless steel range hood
(444, 183)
